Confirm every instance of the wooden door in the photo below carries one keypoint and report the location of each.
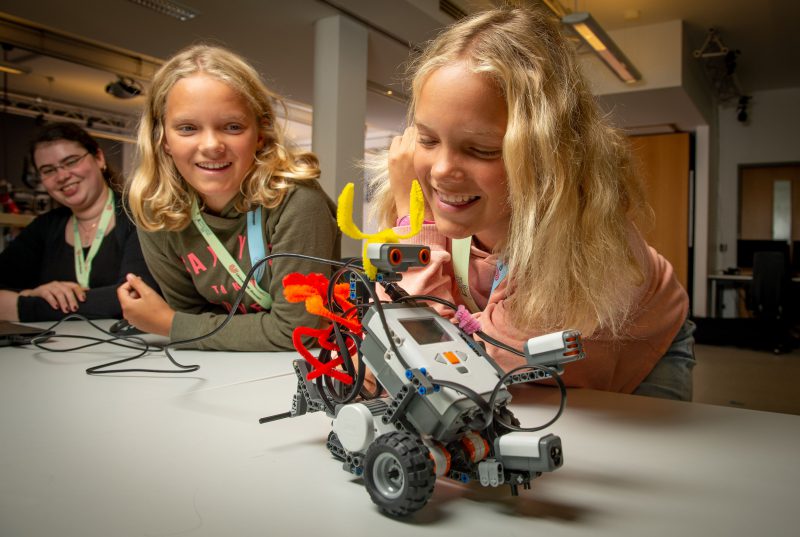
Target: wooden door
(663, 161)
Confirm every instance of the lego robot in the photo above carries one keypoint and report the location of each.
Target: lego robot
(443, 410)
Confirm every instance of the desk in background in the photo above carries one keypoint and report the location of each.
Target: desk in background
(717, 280)
(735, 280)
(16, 220)
(148, 454)
(13, 220)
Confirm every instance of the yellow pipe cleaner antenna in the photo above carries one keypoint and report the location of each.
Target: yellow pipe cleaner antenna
(344, 216)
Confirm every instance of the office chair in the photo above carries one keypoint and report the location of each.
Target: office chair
(767, 298)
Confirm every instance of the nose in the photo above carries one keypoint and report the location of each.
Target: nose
(62, 174)
(211, 142)
(446, 165)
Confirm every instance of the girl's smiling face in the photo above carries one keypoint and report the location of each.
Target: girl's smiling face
(461, 119)
(212, 136)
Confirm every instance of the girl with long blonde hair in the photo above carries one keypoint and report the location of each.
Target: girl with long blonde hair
(217, 187)
(534, 202)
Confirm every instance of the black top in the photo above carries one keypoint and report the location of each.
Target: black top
(40, 254)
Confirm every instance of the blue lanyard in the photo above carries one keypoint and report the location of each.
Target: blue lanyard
(252, 288)
(500, 274)
(255, 241)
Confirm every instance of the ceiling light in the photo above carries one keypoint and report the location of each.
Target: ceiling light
(587, 28)
(169, 8)
(386, 91)
(124, 88)
(13, 69)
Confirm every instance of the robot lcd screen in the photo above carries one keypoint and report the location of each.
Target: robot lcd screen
(425, 331)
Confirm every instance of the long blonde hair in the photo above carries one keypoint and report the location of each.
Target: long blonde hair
(572, 191)
(159, 198)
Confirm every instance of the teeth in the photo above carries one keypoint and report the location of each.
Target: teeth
(456, 199)
(214, 165)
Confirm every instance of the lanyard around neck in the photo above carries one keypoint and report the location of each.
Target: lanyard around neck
(83, 264)
(460, 251)
(256, 293)
(255, 241)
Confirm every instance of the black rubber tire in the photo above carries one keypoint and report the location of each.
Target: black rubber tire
(398, 473)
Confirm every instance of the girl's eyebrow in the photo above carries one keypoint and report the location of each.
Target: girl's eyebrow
(190, 119)
(420, 125)
(482, 132)
(175, 120)
(488, 132)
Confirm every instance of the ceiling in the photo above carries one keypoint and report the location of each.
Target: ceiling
(278, 38)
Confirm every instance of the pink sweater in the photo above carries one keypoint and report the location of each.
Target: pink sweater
(617, 365)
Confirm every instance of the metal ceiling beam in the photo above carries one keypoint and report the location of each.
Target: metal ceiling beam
(99, 123)
(44, 40)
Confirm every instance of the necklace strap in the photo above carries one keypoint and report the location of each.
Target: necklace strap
(256, 293)
(83, 264)
(255, 241)
(460, 251)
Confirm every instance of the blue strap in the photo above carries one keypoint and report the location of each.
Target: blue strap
(255, 241)
(500, 274)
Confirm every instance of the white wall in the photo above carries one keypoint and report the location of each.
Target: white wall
(673, 93)
(771, 135)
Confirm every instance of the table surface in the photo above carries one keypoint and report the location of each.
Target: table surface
(157, 455)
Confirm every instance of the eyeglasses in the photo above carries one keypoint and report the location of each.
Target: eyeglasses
(50, 171)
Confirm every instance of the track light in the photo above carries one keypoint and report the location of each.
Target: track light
(124, 88)
(593, 34)
(13, 69)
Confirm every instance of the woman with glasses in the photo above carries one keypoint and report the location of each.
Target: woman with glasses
(73, 258)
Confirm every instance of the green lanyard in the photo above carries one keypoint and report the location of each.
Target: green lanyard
(255, 292)
(83, 265)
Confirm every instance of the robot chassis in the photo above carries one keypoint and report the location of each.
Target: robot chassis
(444, 411)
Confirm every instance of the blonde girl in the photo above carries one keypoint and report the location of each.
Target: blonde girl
(217, 188)
(534, 201)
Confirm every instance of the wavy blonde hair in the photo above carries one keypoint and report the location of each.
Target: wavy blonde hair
(572, 190)
(159, 198)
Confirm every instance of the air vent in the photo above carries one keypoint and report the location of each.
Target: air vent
(448, 7)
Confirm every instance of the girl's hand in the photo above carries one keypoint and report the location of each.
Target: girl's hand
(143, 308)
(401, 169)
(60, 295)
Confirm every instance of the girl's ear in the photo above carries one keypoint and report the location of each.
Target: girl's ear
(261, 137)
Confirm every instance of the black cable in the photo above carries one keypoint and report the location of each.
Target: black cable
(102, 369)
(553, 374)
(344, 353)
(140, 344)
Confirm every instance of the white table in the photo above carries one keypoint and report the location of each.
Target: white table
(159, 455)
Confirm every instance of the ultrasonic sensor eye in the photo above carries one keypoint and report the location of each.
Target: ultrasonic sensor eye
(395, 256)
(425, 256)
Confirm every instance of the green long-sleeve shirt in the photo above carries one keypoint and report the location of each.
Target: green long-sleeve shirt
(200, 290)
